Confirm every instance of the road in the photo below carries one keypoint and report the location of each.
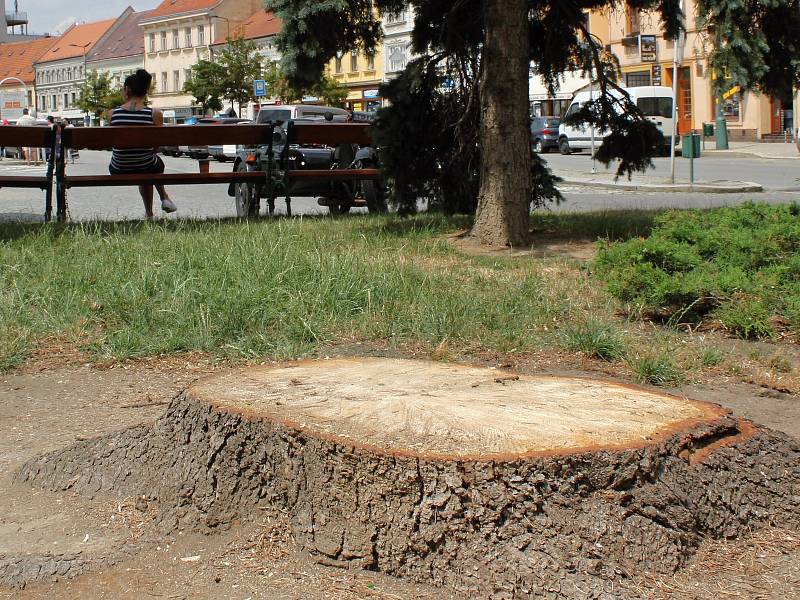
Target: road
(773, 174)
(210, 202)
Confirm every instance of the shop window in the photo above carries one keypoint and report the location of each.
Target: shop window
(638, 78)
(731, 107)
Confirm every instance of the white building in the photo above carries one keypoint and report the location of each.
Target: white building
(397, 30)
(178, 34)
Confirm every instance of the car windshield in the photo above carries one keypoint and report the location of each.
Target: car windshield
(655, 107)
(274, 115)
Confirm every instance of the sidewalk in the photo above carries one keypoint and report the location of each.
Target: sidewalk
(754, 149)
(649, 183)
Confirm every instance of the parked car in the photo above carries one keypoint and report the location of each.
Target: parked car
(221, 152)
(655, 102)
(544, 133)
(179, 150)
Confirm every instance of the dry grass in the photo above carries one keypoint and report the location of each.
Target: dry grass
(764, 566)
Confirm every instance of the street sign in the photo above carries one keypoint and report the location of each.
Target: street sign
(260, 88)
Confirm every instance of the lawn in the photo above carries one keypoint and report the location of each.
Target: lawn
(282, 289)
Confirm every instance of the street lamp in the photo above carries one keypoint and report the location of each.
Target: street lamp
(83, 48)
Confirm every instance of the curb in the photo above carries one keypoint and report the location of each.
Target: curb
(708, 188)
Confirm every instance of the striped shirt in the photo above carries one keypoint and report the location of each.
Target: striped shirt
(132, 159)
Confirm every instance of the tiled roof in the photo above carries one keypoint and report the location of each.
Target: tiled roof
(126, 40)
(260, 24)
(72, 43)
(16, 60)
(176, 7)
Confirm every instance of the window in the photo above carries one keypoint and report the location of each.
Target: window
(637, 79)
(152, 42)
(73, 99)
(164, 89)
(632, 20)
(201, 35)
(394, 18)
(370, 61)
(655, 107)
(176, 80)
(338, 64)
(187, 75)
(164, 40)
(66, 100)
(176, 39)
(397, 57)
(187, 33)
(354, 61)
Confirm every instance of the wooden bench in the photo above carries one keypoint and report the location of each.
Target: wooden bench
(105, 138)
(12, 136)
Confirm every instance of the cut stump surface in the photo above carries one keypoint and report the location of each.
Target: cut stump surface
(491, 483)
(450, 411)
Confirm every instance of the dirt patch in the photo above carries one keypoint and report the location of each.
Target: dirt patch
(546, 245)
(50, 409)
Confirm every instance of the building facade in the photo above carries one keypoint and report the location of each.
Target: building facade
(397, 30)
(361, 73)
(18, 77)
(121, 53)
(61, 70)
(646, 58)
(178, 34)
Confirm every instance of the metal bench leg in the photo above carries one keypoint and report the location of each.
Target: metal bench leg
(288, 205)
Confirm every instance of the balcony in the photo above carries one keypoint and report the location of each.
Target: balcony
(16, 18)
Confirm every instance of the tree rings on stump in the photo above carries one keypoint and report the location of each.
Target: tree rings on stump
(450, 412)
(488, 482)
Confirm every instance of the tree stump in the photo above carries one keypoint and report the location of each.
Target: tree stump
(491, 483)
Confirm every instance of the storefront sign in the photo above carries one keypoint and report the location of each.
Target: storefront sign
(656, 74)
(369, 94)
(647, 48)
(11, 103)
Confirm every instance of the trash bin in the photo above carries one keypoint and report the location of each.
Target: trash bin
(708, 129)
(690, 145)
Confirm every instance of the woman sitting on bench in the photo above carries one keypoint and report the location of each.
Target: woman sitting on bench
(139, 160)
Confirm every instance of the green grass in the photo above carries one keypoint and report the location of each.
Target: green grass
(739, 265)
(276, 289)
(596, 340)
(656, 369)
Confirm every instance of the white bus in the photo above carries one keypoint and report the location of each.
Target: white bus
(656, 102)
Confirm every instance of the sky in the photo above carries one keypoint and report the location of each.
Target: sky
(45, 16)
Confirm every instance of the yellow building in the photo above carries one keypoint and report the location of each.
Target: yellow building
(361, 74)
(646, 58)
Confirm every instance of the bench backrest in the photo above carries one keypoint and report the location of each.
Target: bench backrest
(14, 136)
(103, 138)
(330, 134)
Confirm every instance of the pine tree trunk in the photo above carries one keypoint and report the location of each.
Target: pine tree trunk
(502, 215)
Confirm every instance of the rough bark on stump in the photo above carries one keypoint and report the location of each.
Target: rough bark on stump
(570, 522)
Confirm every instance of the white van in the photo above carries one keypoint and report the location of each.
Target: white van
(654, 101)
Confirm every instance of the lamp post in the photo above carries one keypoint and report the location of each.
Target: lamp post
(83, 48)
